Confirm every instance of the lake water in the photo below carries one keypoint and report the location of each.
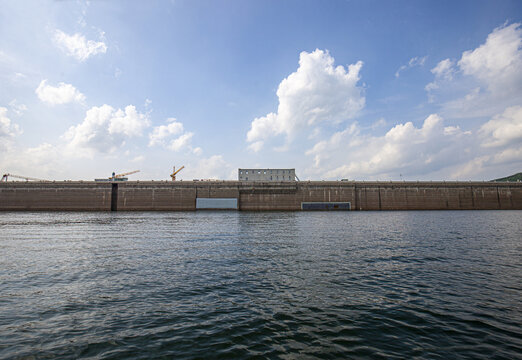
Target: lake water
(287, 285)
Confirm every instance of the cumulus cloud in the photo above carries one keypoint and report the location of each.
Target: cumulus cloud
(404, 149)
(104, 129)
(172, 136)
(497, 62)
(504, 129)
(256, 146)
(318, 92)
(496, 164)
(61, 94)
(78, 46)
(444, 69)
(443, 72)
(8, 130)
(485, 80)
(415, 61)
(160, 133)
(129, 122)
(181, 142)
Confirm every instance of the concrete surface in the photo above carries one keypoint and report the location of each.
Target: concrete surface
(258, 196)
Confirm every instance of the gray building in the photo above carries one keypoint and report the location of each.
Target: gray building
(266, 174)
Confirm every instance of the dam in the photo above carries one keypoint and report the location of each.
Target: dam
(258, 196)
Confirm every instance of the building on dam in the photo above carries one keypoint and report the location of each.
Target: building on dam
(266, 174)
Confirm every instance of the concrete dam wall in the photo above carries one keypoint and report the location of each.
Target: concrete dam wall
(258, 196)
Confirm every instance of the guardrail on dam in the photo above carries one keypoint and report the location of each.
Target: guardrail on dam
(255, 196)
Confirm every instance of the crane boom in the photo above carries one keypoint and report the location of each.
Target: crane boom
(26, 178)
(181, 168)
(174, 172)
(122, 175)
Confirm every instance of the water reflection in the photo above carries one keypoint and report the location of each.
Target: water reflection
(271, 284)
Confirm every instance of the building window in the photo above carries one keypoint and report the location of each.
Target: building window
(264, 172)
(246, 172)
(246, 178)
(271, 178)
(240, 172)
(258, 172)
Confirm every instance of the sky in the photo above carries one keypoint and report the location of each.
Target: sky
(359, 90)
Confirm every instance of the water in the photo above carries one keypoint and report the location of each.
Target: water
(287, 285)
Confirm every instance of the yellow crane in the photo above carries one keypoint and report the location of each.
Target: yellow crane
(174, 172)
(119, 176)
(26, 178)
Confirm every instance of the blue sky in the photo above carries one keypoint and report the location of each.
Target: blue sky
(365, 90)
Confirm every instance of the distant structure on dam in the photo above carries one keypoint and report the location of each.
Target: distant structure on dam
(272, 175)
(258, 195)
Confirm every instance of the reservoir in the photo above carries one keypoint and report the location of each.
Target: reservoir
(229, 284)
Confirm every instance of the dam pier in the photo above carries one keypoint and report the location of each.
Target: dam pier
(258, 196)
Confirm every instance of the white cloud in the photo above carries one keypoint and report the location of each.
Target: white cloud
(485, 81)
(415, 61)
(443, 73)
(77, 46)
(163, 135)
(160, 133)
(17, 108)
(256, 146)
(510, 155)
(104, 129)
(181, 142)
(444, 69)
(497, 62)
(491, 165)
(316, 93)
(504, 129)
(129, 122)
(61, 94)
(404, 149)
(8, 130)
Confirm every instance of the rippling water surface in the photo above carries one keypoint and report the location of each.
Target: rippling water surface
(273, 285)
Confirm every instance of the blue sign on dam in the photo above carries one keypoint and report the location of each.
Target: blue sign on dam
(325, 206)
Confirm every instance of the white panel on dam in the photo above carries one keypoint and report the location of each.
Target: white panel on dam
(216, 203)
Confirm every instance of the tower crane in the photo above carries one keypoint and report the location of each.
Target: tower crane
(119, 176)
(26, 178)
(174, 172)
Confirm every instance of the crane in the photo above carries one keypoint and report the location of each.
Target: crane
(174, 172)
(26, 178)
(120, 176)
